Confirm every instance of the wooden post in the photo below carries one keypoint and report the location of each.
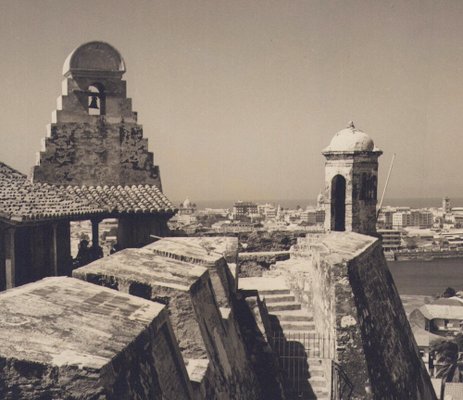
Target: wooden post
(54, 249)
(10, 258)
(95, 238)
(3, 233)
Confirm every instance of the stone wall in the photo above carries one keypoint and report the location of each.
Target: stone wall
(270, 257)
(386, 333)
(344, 280)
(203, 330)
(96, 153)
(62, 338)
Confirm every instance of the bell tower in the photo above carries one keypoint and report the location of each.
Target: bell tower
(94, 138)
(351, 180)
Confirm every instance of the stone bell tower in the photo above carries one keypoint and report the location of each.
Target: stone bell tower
(351, 180)
(94, 138)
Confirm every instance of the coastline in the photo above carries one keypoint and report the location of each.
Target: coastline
(423, 255)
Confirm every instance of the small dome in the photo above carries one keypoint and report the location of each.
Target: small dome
(94, 57)
(351, 139)
(186, 203)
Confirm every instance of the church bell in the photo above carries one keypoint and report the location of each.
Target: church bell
(94, 102)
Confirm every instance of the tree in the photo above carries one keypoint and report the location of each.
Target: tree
(449, 292)
(449, 364)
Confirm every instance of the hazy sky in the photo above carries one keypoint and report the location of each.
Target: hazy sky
(238, 98)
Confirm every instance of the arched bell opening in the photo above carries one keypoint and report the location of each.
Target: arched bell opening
(338, 203)
(96, 100)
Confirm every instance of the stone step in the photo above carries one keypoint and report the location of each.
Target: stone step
(278, 298)
(316, 397)
(318, 381)
(321, 396)
(264, 285)
(315, 367)
(303, 326)
(283, 306)
(315, 370)
(266, 292)
(302, 354)
(293, 315)
(320, 373)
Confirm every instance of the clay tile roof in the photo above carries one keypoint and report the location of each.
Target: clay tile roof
(22, 200)
(125, 199)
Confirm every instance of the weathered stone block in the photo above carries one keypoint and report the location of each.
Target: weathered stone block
(65, 339)
(204, 332)
(211, 253)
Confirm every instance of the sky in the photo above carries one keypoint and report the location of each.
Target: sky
(238, 98)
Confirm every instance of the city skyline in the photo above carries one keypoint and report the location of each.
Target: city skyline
(238, 99)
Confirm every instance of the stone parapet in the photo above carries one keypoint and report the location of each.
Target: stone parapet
(203, 330)
(174, 283)
(343, 279)
(211, 253)
(62, 338)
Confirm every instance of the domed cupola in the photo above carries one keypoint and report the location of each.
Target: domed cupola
(351, 139)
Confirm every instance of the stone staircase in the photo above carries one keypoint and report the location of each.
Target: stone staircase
(299, 348)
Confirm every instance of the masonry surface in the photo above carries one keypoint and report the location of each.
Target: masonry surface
(342, 281)
(62, 338)
(195, 282)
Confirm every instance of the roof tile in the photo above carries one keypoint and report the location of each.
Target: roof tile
(22, 200)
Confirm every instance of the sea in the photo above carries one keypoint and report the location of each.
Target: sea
(428, 278)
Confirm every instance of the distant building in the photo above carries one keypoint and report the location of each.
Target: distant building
(187, 207)
(243, 209)
(418, 218)
(267, 210)
(443, 317)
(446, 206)
(385, 218)
(421, 218)
(392, 238)
(309, 216)
(401, 219)
(456, 216)
(185, 214)
(320, 216)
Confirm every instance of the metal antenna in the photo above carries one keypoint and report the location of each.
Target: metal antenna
(385, 186)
